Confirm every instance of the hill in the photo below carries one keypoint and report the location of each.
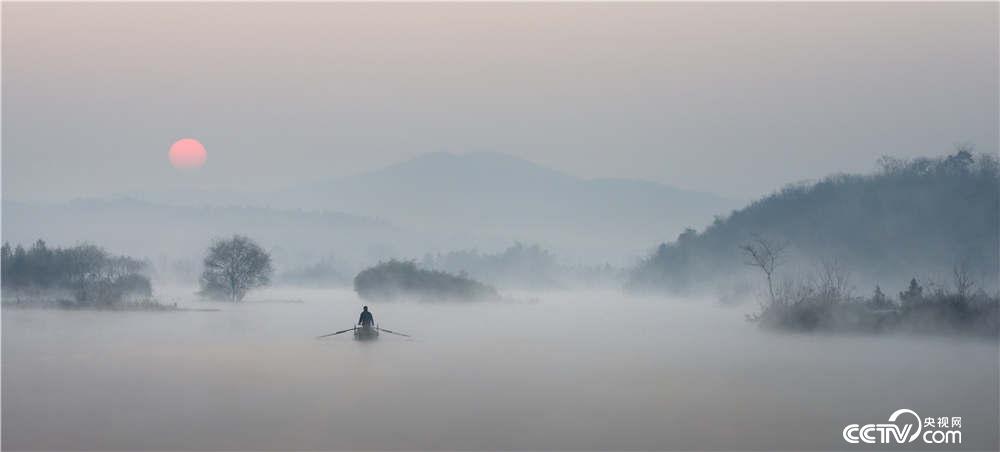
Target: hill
(909, 218)
(489, 200)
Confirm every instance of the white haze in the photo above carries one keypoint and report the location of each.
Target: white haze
(433, 203)
(555, 370)
(353, 133)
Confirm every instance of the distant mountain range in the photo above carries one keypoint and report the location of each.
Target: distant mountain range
(434, 203)
(491, 196)
(911, 218)
(490, 200)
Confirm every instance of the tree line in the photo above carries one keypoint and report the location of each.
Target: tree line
(231, 268)
(527, 265)
(91, 274)
(826, 302)
(94, 277)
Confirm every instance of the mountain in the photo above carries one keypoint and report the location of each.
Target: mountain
(488, 201)
(918, 218)
(493, 200)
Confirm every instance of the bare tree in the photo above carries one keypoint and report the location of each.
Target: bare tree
(962, 279)
(235, 266)
(766, 255)
(834, 281)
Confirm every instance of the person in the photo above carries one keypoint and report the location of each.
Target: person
(366, 319)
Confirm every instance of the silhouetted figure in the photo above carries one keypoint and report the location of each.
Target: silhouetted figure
(366, 319)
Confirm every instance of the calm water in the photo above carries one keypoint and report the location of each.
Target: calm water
(580, 370)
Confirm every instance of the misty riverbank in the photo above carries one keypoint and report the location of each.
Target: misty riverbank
(16, 302)
(580, 370)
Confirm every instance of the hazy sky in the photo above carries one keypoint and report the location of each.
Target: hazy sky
(732, 99)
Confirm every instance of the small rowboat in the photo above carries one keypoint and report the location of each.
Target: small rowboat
(365, 333)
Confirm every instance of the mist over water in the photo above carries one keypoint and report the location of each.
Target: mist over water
(550, 370)
(543, 162)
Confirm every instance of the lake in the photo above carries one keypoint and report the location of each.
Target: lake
(568, 370)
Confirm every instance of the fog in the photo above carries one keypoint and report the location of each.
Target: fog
(647, 226)
(544, 371)
(463, 201)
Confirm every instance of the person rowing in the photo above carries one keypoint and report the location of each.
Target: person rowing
(366, 320)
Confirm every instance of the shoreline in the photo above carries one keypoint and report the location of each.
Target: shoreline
(65, 305)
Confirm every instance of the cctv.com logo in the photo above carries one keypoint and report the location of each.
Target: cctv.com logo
(905, 426)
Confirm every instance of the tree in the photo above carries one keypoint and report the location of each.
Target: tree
(233, 267)
(913, 294)
(766, 255)
(962, 280)
(879, 300)
(5, 262)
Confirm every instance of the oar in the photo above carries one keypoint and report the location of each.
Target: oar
(393, 332)
(334, 334)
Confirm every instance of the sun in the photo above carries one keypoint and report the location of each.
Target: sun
(187, 153)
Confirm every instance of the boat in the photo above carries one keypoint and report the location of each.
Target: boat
(365, 333)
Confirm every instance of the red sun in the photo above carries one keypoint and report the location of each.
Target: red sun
(187, 153)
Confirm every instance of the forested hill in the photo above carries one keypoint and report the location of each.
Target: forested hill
(909, 218)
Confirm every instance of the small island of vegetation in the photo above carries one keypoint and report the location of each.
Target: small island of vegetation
(82, 277)
(826, 303)
(401, 279)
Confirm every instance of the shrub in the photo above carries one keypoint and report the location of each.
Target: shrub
(396, 279)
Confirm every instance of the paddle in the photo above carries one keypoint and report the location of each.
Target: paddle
(393, 332)
(334, 334)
